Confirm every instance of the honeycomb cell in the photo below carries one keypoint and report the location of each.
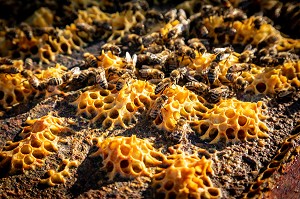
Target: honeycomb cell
(233, 120)
(128, 156)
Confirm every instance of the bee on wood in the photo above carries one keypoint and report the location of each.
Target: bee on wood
(235, 15)
(186, 51)
(6, 61)
(154, 14)
(214, 95)
(159, 103)
(85, 27)
(115, 50)
(124, 79)
(248, 54)
(9, 69)
(196, 44)
(27, 30)
(151, 73)
(197, 87)
(154, 37)
(91, 60)
(161, 86)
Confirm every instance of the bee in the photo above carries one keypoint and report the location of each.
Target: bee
(83, 76)
(175, 44)
(267, 60)
(176, 31)
(40, 31)
(213, 72)
(198, 87)
(6, 61)
(151, 73)
(238, 68)
(9, 69)
(11, 34)
(170, 15)
(54, 81)
(91, 60)
(132, 41)
(186, 51)
(225, 30)
(179, 133)
(100, 77)
(159, 103)
(154, 49)
(154, 14)
(154, 37)
(258, 21)
(196, 44)
(178, 74)
(222, 53)
(235, 15)
(181, 15)
(136, 5)
(27, 30)
(85, 27)
(138, 28)
(74, 72)
(124, 79)
(36, 83)
(115, 50)
(171, 63)
(28, 64)
(268, 41)
(248, 54)
(130, 62)
(241, 83)
(161, 86)
(103, 25)
(214, 95)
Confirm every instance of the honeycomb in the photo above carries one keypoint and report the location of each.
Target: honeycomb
(130, 157)
(38, 140)
(53, 178)
(112, 108)
(15, 89)
(232, 120)
(272, 80)
(181, 103)
(187, 176)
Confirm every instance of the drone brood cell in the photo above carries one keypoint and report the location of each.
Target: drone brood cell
(39, 140)
(115, 108)
(129, 157)
(185, 177)
(232, 121)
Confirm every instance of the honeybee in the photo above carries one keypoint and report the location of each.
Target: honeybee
(138, 28)
(179, 133)
(234, 15)
(248, 54)
(159, 103)
(196, 44)
(214, 95)
(54, 81)
(91, 60)
(161, 86)
(174, 44)
(186, 51)
(154, 14)
(154, 49)
(27, 30)
(74, 72)
(222, 53)
(225, 30)
(178, 74)
(170, 15)
(39, 31)
(28, 64)
(103, 25)
(124, 79)
(130, 62)
(159, 58)
(9, 69)
(176, 31)
(238, 68)
(132, 41)
(6, 61)
(11, 34)
(154, 37)
(151, 73)
(115, 50)
(171, 63)
(136, 5)
(198, 87)
(258, 21)
(268, 41)
(85, 27)
(36, 83)
(100, 77)
(241, 83)
(213, 72)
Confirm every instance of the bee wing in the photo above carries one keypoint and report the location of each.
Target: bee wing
(128, 57)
